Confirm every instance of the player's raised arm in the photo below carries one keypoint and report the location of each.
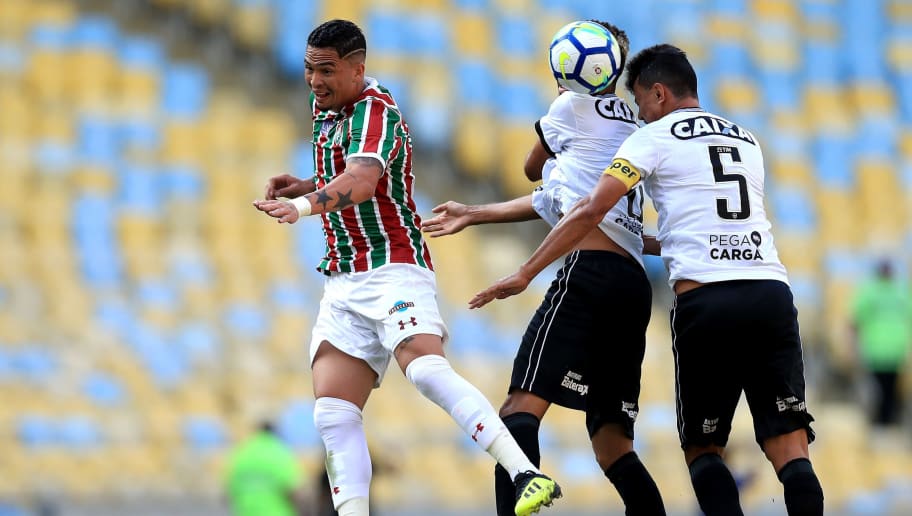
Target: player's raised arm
(584, 216)
(354, 186)
(452, 217)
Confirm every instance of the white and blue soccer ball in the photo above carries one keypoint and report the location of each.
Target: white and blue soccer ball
(585, 57)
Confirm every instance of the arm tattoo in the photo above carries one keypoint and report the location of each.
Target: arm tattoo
(402, 344)
(320, 197)
(344, 200)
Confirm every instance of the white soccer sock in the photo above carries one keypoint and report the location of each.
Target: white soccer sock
(354, 507)
(438, 382)
(348, 463)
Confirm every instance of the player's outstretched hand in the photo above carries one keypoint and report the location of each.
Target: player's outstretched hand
(452, 217)
(284, 211)
(504, 288)
(284, 185)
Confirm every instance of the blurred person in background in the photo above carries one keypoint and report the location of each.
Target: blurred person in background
(263, 477)
(379, 298)
(734, 323)
(882, 331)
(565, 356)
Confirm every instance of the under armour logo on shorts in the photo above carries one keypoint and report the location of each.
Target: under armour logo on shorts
(411, 321)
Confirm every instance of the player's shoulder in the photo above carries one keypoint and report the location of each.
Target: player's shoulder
(374, 92)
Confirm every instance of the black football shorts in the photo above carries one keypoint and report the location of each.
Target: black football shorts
(735, 336)
(584, 347)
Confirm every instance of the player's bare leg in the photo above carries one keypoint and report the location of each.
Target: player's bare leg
(342, 384)
(521, 413)
(788, 453)
(422, 360)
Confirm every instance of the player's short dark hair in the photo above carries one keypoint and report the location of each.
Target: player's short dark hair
(341, 35)
(665, 64)
(620, 36)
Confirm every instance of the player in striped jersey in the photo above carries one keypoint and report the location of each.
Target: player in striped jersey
(734, 323)
(566, 337)
(379, 297)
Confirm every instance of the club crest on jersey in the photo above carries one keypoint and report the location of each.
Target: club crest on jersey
(401, 306)
(705, 125)
(325, 126)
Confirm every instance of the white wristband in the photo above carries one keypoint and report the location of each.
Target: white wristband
(302, 204)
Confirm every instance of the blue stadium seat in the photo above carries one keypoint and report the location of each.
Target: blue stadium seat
(793, 209)
(204, 433)
(731, 58)
(183, 183)
(51, 37)
(473, 5)
(78, 433)
(296, 426)
(290, 296)
(386, 32)
(514, 39)
(823, 63)
(780, 89)
(99, 256)
(98, 141)
(519, 101)
(186, 91)
(35, 364)
(309, 248)
(96, 32)
(103, 390)
(302, 160)
(115, 316)
(35, 431)
(732, 8)
(476, 83)
(156, 294)
(875, 137)
(12, 58)
(190, 270)
(140, 190)
(244, 320)
(833, 161)
(137, 52)
(139, 133)
(198, 341)
(54, 157)
(428, 34)
(290, 44)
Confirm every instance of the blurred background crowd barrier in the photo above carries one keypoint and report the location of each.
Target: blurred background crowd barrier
(149, 317)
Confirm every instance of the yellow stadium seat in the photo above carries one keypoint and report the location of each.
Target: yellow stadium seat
(775, 9)
(826, 108)
(516, 6)
(792, 171)
(14, 19)
(873, 99)
(18, 115)
(881, 201)
(900, 11)
(726, 27)
(138, 90)
(353, 10)
(737, 94)
(209, 12)
(776, 54)
(799, 252)
(252, 25)
(472, 34)
(56, 12)
(838, 223)
(475, 144)
(92, 77)
(269, 133)
(515, 142)
(181, 143)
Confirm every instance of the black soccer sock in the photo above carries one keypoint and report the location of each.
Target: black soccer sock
(637, 488)
(714, 486)
(803, 494)
(524, 428)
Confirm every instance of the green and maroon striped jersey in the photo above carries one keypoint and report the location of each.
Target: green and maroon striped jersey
(386, 228)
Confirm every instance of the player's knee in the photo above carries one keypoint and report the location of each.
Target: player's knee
(803, 494)
(334, 413)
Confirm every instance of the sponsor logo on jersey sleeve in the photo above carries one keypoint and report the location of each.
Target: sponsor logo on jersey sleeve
(625, 172)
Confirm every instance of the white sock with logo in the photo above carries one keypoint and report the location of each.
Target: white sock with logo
(437, 381)
(354, 507)
(348, 463)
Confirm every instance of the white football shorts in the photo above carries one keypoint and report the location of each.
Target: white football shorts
(367, 314)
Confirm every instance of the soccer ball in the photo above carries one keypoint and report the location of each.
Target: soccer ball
(585, 57)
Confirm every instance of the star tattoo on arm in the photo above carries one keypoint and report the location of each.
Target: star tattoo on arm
(344, 200)
(320, 197)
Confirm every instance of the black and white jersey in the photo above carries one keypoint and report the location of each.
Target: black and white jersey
(582, 133)
(705, 176)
